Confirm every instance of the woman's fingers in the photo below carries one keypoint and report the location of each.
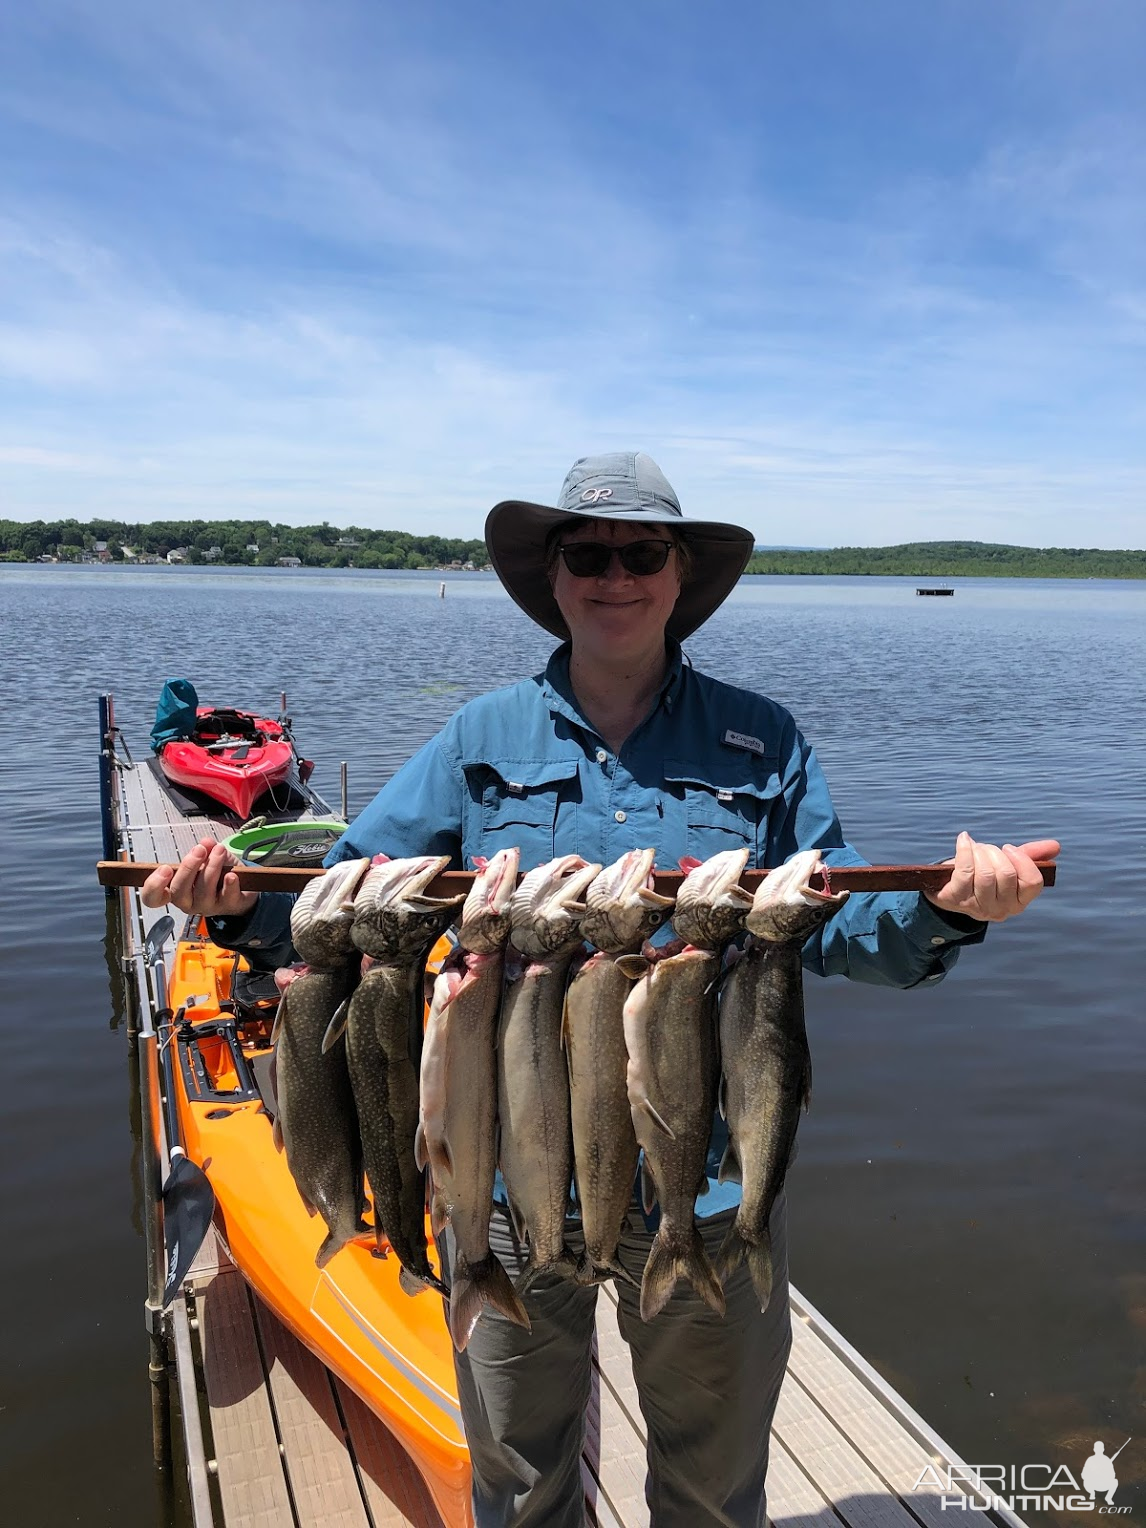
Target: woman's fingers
(992, 883)
(203, 882)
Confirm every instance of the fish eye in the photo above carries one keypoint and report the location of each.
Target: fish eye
(655, 918)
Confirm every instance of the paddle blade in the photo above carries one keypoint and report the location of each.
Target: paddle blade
(188, 1205)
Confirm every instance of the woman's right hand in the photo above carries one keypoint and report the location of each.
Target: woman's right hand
(203, 882)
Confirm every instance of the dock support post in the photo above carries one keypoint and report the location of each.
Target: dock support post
(153, 1239)
(107, 779)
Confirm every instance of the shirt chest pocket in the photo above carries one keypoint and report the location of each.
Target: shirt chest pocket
(726, 807)
(519, 804)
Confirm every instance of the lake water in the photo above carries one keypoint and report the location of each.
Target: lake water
(968, 1204)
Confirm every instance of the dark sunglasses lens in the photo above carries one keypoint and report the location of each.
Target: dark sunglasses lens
(586, 559)
(589, 559)
(642, 558)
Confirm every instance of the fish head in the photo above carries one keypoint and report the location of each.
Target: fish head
(621, 907)
(484, 926)
(711, 904)
(786, 908)
(320, 920)
(394, 919)
(546, 911)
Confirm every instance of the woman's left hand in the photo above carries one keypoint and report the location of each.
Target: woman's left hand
(992, 883)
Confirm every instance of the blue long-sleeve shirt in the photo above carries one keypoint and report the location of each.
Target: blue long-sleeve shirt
(712, 767)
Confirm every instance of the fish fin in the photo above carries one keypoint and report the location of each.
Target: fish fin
(472, 1289)
(330, 1246)
(421, 1156)
(648, 1187)
(632, 966)
(589, 1272)
(414, 1284)
(733, 1251)
(517, 1220)
(565, 1264)
(722, 1096)
(277, 1132)
(730, 1171)
(669, 1260)
(280, 1015)
(647, 1105)
(337, 1026)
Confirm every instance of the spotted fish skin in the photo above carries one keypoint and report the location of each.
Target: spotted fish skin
(457, 1131)
(622, 910)
(316, 1120)
(533, 1081)
(396, 924)
(767, 1066)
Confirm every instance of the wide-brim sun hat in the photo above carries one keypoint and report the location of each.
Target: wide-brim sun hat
(621, 485)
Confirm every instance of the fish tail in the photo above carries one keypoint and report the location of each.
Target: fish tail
(591, 1271)
(332, 1243)
(472, 1289)
(672, 1257)
(736, 1247)
(565, 1264)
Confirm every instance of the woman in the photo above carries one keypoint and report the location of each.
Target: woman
(620, 745)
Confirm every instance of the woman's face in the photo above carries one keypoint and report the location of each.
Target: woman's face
(618, 615)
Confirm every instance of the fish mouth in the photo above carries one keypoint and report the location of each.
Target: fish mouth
(322, 915)
(553, 888)
(494, 885)
(338, 887)
(403, 880)
(785, 902)
(627, 881)
(717, 880)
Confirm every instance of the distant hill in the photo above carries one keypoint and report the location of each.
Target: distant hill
(955, 559)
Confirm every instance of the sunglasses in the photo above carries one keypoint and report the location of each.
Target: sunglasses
(589, 559)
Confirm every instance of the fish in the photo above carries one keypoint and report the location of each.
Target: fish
(671, 1076)
(621, 912)
(316, 1122)
(767, 1067)
(395, 924)
(457, 1127)
(536, 1151)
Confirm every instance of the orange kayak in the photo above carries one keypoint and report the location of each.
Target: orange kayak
(393, 1349)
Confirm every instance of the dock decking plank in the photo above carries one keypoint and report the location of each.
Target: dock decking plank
(322, 1479)
(250, 1471)
(828, 1458)
(793, 1501)
(395, 1492)
(890, 1451)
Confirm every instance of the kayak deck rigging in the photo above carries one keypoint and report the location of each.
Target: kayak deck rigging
(273, 1439)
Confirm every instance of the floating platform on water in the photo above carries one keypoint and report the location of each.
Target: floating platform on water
(272, 1439)
(946, 590)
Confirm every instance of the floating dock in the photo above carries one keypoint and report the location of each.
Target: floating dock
(272, 1439)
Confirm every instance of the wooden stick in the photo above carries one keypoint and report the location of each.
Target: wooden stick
(451, 882)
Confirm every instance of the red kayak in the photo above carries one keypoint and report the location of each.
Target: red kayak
(233, 757)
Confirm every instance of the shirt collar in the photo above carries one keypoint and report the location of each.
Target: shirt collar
(559, 691)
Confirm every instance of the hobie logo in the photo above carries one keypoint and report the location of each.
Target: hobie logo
(1027, 1487)
(595, 495)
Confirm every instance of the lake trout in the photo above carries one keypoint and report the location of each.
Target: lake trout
(767, 1068)
(316, 1122)
(532, 1079)
(457, 1130)
(670, 1037)
(396, 924)
(621, 911)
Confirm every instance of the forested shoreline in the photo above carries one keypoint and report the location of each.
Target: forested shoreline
(261, 543)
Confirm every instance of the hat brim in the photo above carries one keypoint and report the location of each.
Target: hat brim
(515, 536)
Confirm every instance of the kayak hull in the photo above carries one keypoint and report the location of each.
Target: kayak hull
(235, 773)
(392, 1349)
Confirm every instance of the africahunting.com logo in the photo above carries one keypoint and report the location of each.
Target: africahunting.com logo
(1028, 1487)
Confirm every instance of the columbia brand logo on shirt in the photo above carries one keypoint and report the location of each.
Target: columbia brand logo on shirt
(742, 740)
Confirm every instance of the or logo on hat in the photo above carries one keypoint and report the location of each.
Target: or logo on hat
(594, 495)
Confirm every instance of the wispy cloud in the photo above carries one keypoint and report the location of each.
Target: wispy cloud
(345, 266)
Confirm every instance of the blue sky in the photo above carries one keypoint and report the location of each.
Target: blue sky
(853, 273)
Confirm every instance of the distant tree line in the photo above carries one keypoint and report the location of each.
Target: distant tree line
(250, 543)
(956, 559)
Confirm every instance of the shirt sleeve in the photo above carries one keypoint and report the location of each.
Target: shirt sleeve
(891, 938)
(417, 811)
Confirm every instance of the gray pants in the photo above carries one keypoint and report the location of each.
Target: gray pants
(708, 1387)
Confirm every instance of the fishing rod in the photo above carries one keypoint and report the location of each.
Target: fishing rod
(667, 882)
